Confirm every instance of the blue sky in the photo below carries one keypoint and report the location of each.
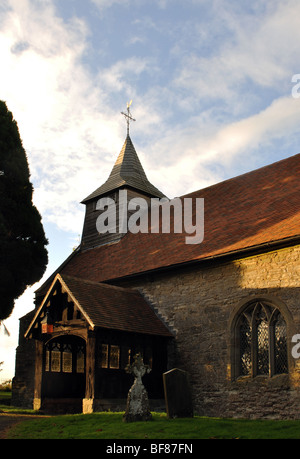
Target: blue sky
(210, 83)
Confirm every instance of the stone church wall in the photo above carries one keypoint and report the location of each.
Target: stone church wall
(200, 304)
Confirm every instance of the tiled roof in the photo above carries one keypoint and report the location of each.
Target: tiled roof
(127, 171)
(110, 307)
(250, 210)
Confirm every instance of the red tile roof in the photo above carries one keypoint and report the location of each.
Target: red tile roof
(109, 307)
(256, 208)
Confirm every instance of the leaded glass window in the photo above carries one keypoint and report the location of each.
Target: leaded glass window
(280, 341)
(245, 347)
(55, 358)
(110, 356)
(262, 341)
(104, 356)
(114, 357)
(67, 358)
(262, 336)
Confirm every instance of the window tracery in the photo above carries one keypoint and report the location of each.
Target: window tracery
(65, 357)
(261, 341)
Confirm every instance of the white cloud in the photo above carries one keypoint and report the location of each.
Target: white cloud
(189, 163)
(281, 118)
(259, 50)
(122, 74)
(103, 4)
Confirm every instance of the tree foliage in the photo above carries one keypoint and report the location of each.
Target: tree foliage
(23, 253)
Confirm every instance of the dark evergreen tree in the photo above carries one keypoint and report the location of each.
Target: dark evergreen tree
(23, 253)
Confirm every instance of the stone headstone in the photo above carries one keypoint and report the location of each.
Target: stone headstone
(137, 408)
(178, 395)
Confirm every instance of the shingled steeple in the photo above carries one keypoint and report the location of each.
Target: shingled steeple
(127, 174)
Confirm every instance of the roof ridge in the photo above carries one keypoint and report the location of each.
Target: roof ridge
(100, 284)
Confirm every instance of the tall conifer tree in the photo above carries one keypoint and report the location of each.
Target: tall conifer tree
(23, 253)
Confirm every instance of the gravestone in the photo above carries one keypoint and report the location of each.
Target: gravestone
(178, 395)
(137, 408)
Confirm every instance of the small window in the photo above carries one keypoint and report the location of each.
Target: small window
(110, 356)
(67, 358)
(104, 356)
(114, 357)
(55, 358)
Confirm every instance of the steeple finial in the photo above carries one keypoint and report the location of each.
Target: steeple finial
(128, 116)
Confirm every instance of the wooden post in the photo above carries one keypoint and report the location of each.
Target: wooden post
(88, 401)
(37, 398)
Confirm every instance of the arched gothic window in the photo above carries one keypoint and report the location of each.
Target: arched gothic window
(260, 341)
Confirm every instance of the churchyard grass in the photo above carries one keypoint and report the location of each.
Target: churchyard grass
(5, 405)
(5, 397)
(110, 426)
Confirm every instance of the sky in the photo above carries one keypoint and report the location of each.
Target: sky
(213, 85)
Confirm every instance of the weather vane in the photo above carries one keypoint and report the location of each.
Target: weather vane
(128, 116)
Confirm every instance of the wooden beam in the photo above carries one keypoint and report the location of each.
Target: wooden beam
(90, 365)
(37, 398)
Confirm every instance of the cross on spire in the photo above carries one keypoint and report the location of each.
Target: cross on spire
(128, 116)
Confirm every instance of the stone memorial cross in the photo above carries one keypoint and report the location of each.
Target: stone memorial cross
(137, 408)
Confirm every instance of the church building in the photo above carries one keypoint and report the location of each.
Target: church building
(225, 310)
